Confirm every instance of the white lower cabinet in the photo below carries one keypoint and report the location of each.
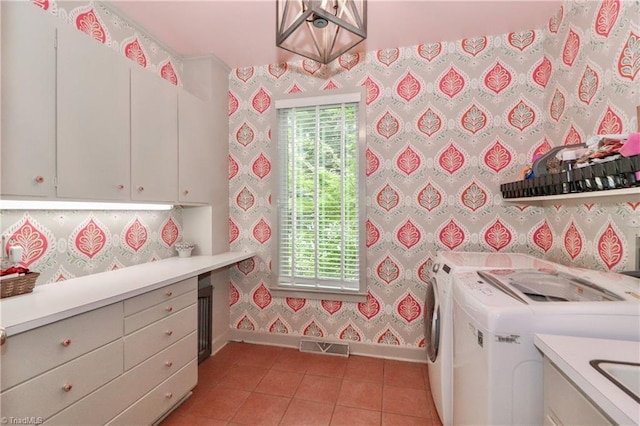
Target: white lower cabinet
(54, 390)
(31, 353)
(156, 298)
(161, 399)
(91, 369)
(564, 404)
(112, 399)
(155, 313)
(153, 338)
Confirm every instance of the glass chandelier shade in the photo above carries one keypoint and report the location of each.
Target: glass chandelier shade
(320, 30)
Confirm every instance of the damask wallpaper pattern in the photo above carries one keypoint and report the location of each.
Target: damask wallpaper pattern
(109, 28)
(65, 244)
(594, 48)
(447, 122)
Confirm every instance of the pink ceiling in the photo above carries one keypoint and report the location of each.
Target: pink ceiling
(242, 32)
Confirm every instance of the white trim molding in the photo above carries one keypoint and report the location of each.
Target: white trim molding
(397, 353)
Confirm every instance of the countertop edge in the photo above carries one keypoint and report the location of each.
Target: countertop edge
(574, 364)
(53, 302)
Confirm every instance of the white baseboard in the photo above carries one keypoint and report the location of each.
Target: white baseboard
(355, 348)
(219, 342)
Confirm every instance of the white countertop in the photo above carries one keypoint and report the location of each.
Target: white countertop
(572, 355)
(57, 301)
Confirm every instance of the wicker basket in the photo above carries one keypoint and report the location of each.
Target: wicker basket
(18, 285)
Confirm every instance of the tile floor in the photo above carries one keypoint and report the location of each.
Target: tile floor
(246, 384)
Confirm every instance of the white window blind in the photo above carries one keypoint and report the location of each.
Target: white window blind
(319, 197)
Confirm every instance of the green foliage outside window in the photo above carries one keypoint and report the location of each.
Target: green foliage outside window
(319, 199)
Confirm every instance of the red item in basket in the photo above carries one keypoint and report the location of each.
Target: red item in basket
(14, 270)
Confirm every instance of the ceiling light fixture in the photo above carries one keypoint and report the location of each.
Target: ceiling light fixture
(320, 30)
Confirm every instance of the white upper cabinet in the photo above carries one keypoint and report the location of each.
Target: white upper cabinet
(82, 122)
(154, 137)
(28, 101)
(93, 119)
(195, 150)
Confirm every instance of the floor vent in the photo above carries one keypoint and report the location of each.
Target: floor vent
(316, 346)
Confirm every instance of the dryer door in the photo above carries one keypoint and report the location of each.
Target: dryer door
(432, 320)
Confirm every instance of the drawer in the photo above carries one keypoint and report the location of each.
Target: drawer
(28, 354)
(129, 387)
(54, 390)
(159, 311)
(155, 337)
(161, 399)
(147, 300)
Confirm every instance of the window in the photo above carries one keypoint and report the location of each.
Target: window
(320, 196)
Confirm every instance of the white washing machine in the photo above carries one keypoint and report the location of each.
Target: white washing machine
(438, 317)
(497, 370)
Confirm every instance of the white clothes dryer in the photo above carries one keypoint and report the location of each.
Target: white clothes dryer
(497, 370)
(438, 318)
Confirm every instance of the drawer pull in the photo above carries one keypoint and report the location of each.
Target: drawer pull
(3, 335)
(169, 293)
(168, 395)
(67, 387)
(169, 309)
(169, 332)
(66, 342)
(39, 179)
(169, 364)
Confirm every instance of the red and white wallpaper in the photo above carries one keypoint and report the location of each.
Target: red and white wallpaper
(594, 51)
(110, 29)
(71, 243)
(447, 123)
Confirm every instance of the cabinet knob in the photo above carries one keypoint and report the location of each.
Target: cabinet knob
(169, 309)
(140, 188)
(169, 293)
(66, 342)
(39, 179)
(169, 364)
(185, 192)
(168, 332)
(168, 395)
(121, 187)
(67, 387)
(3, 336)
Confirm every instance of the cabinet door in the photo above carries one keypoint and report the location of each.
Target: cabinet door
(28, 100)
(195, 150)
(93, 119)
(564, 403)
(154, 137)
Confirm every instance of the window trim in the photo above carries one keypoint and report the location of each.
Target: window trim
(318, 98)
